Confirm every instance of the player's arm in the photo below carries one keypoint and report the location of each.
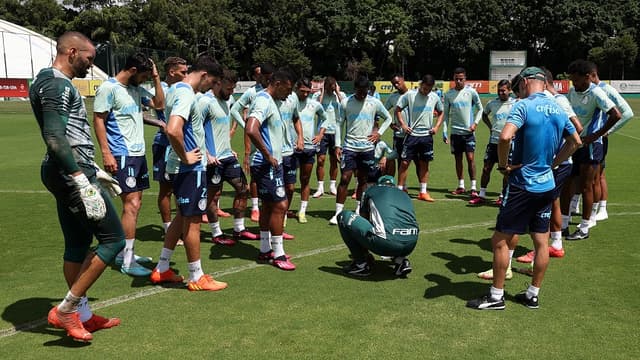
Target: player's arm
(322, 120)
(153, 122)
(571, 144)
(253, 132)
(297, 125)
(176, 139)
(383, 113)
(485, 119)
(158, 97)
(626, 113)
(340, 122)
(613, 115)
(238, 108)
(100, 129)
(439, 119)
(446, 120)
(477, 106)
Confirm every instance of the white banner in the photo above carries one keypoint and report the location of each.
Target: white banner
(626, 86)
(242, 86)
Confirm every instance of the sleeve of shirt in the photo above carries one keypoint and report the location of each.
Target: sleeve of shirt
(322, 115)
(182, 105)
(340, 120)
(625, 110)
(603, 101)
(208, 127)
(259, 109)
(238, 107)
(384, 113)
(564, 104)
(55, 115)
(445, 120)
(438, 105)
(477, 104)
(103, 102)
(518, 114)
(569, 129)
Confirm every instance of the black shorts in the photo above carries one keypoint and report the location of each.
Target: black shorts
(591, 154)
(190, 190)
(363, 161)
(132, 174)
(523, 211)
(289, 169)
(418, 148)
(398, 144)
(560, 176)
(328, 142)
(228, 170)
(160, 162)
(270, 182)
(463, 143)
(306, 156)
(491, 153)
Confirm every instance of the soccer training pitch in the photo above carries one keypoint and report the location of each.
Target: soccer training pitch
(589, 301)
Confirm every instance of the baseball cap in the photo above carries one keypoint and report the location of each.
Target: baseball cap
(386, 180)
(533, 72)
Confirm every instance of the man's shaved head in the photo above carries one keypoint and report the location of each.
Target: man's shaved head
(75, 54)
(71, 39)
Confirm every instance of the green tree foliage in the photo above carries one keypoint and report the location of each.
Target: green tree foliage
(334, 37)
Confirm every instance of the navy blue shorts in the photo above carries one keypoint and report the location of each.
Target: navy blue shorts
(491, 153)
(160, 162)
(306, 156)
(463, 143)
(398, 144)
(523, 211)
(363, 161)
(328, 142)
(560, 176)
(289, 169)
(605, 150)
(418, 148)
(228, 170)
(133, 173)
(270, 182)
(591, 154)
(190, 190)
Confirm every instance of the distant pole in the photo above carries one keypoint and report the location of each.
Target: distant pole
(4, 54)
(31, 57)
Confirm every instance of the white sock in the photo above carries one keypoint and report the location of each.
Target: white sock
(602, 205)
(276, 245)
(254, 204)
(461, 183)
(127, 253)
(483, 192)
(556, 240)
(70, 303)
(303, 206)
(594, 212)
(510, 257)
(574, 202)
(166, 226)
(238, 224)
(195, 270)
(565, 221)
(400, 187)
(339, 208)
(321, 186)
(215, 229)
(423, 187)
(358, 207)
(265, 241)
(84, 310)
(496, 294)
(584, 226)
(332, 184)
(165, 258)
(473, 184)
(532, 291)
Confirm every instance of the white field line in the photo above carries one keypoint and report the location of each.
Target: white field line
(233, 270)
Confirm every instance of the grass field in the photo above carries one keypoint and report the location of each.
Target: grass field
(590, 307)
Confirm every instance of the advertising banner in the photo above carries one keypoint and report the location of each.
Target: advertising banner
(14, 88)
(626, 86)
(83, 86)
(481, 86)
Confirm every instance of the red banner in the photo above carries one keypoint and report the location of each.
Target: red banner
(481, 86)
(562, 86)
(14, 88)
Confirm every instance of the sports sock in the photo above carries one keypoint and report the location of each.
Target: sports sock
(556, 240)
(483, 192)
(238, 224)
(473, 184)
(332, 184)
(265, 241)
(195, 270)
(532, 291)
(84, 310)
(510, 257)
(496, 294)
(594, 212)
(602, 205)
(423, 187)
(575, 199)
(565, 221)
(339, 208)
(358, 207)
(584, 226)
(165, 258)
(70, 303)
(254, 204)
(166, 226)
(215, 229)
(127, 253)
(303, 206)
(398, 259)
(321, 186)
(276, 245)
(461, 183)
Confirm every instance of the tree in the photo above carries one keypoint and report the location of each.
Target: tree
(616, 51)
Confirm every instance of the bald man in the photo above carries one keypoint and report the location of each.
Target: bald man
(68, 172)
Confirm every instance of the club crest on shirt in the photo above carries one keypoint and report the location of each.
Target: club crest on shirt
(130, 181)
(585, 100)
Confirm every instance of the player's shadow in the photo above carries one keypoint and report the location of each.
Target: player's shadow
(464, 290)
(380, 271)
(243, 249)
(485, 244)
(434, 190)
(30, 315)
(463, 264)
(151, 232)
(321, 214)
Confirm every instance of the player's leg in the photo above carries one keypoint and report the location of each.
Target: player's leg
(306, 166)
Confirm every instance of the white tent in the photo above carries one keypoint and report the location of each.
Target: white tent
(25, 52)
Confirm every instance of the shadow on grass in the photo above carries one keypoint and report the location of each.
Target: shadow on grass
(461, 265)
(321, 214)
(29, 315)
(464, 290)
(380, 271)
(485, 244)
(151, 232)
(243, 249)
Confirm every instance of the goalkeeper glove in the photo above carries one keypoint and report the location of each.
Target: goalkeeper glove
(91, 199)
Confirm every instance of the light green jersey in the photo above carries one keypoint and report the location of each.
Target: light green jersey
(266, 111)
(217, 125)
(332, 108)
(289, 113)
(586, 104)
(622, 105)
(358, 120)
(124, 123)
(459, 107)
(390, 104)
(498, 111)
(183, 102)
(420, 109)
(244, 102)
(312, 118)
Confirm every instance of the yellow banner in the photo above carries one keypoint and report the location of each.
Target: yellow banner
(94, 86)
(82, 85)
(384, 87)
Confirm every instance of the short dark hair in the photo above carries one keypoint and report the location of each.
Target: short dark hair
(229, 75)
(208, 64)
(282, 74)
(361, 82)
(459, 70)
(304, 81)
(397, 75)
(266, 68)
(580, 67)
(172, 61)
(547, 74)
(428, 79)
(504, 82)
(139, 61)
(514, 83)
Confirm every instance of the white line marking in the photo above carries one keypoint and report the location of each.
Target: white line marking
(629, 136)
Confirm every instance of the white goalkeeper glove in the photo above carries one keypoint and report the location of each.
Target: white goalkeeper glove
(107, 182)
(91, 199)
